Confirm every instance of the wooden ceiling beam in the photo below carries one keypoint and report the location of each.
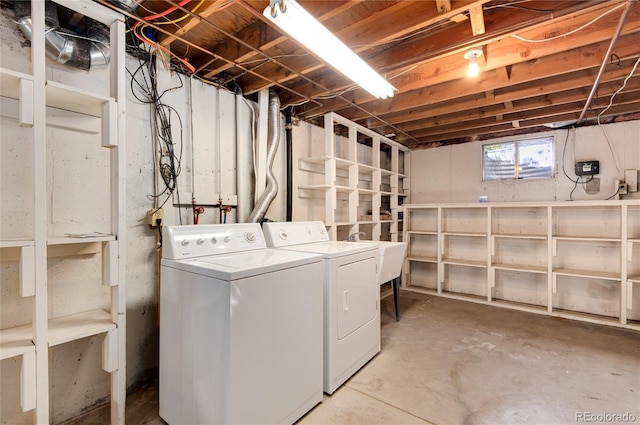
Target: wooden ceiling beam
(509, 52)
(558, 113)
(211, 7)
(578, 58)
(509, 96)
(376, 30)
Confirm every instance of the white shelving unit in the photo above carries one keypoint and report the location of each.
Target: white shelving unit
(361, 180)
(579, 260)
(34, 97)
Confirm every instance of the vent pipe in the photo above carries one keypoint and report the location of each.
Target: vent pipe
(87, 50)
(261, 207)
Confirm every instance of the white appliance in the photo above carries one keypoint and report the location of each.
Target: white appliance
(240, 328)
(351, 295)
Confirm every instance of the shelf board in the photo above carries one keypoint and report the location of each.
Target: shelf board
(76, 326)
(10, 82)
(518, 236)
(321, 160)
(587, 238)
(367, 191)
(422, 232)
(464, 262)
(80, 238)
(588, 273)
(16, 341)
(325, 187)
(520, 267)
(423, 259)
(15, 243)
(72, 99)
(472, 234)
(367, 167)
(515, 305)
(635, 278)
(633, 240)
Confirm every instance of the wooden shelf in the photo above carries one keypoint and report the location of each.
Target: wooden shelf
(422, 232)
(518, 236)
(16, 341)
(520, 267)
(587, 238)
(634, 278)
(588, 273)
(422, 259)
(72, 99)
(471, 234)
(464, 262)
(80, 239)
(15, 243)
(10, 82)
(77, 326)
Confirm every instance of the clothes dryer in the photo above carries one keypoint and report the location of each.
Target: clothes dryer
(351, 295)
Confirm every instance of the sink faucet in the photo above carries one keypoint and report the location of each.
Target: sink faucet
(355, 237)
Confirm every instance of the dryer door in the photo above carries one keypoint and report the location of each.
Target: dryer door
(356, 293)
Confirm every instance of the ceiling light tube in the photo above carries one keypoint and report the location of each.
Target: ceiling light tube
(305, 29)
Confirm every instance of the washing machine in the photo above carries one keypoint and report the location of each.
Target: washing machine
(351, 295)
(240, 328)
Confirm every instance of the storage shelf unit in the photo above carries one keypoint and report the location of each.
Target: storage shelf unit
(362, 178)
(35, 95)
(544, 257)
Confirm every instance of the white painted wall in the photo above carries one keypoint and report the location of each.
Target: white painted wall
(78, 200)
(454, 173)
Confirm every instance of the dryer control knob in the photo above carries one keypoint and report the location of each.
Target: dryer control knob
(185, 242)
(227, 238)
(250, 237)
(200, 241)
(214, 240)
(283, 235)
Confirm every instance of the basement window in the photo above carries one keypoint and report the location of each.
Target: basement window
(520, 159)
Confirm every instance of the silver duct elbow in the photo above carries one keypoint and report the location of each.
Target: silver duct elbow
(259, 211)
(65, 48)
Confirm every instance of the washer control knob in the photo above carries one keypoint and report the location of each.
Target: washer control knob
(185, 242)
(322, 231)
(250, 237)
(227, 238)
(283, 235)
(200, 241)
(214, 240)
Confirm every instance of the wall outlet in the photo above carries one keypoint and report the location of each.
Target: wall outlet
(622, 188)
(155, 217)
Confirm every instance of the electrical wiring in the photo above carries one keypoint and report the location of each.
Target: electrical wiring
(528, 40)
(165, 12)
(168, 153)
(604, 133)
(578, 180)
(183, 17)
(140, 35)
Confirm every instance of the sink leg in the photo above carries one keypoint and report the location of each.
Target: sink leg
(396, 294)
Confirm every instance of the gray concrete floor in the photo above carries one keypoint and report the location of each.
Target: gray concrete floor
(454, 362)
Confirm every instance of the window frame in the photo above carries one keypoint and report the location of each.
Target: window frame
(517, 142)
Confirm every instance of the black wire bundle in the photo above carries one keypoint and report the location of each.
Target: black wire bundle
(144, 88)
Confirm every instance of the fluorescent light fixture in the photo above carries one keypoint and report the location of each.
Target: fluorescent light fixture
(304, 28)
(472, 56)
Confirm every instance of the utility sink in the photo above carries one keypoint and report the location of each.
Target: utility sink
(391, 258)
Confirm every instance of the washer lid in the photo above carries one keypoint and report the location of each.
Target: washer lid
(333, 249)
(243, 265)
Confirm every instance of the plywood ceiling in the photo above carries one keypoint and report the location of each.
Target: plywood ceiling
(541, 61)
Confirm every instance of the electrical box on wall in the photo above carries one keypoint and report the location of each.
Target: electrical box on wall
(587, 168)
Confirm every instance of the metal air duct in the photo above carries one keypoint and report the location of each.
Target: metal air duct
(261, 207)
(86, 50)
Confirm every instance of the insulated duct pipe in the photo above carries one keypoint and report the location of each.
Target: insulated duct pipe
(273, 134)
(289, 145)
(64, 47)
